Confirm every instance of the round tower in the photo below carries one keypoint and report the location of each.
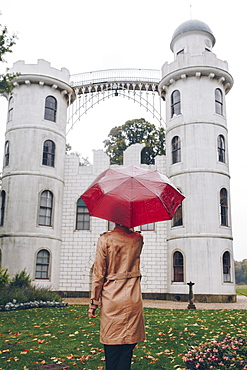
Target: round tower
(194, 86)
(33, 171)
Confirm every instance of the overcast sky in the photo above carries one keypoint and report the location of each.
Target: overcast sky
(88, 36)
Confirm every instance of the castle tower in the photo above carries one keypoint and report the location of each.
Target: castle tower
(33, 171)
(194, 86)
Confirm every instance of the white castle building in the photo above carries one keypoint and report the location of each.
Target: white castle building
(45, 227)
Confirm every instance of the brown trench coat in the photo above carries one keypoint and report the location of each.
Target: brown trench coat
(116, 281)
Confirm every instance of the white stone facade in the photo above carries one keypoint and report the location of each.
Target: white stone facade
(200, 238)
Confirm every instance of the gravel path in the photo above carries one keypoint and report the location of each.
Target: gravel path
(240, 304)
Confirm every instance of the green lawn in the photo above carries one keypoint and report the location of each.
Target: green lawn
(33, 339)
(241, 289)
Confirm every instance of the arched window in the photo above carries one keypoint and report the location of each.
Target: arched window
(6, 154)
(48, 153)
(226, 267)
(45, 211)
(178, 267)
(175, 103)
(3, 197)
(223, 207)
(218, 102)
(147, 156)
(50, 108)
(42, 264)
(176, 149)
(221, 149)
(10, 108)
(82, 216)
(178, 217)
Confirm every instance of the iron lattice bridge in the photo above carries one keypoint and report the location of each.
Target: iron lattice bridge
(138, 85)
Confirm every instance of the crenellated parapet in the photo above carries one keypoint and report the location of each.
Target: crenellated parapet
(43, 74)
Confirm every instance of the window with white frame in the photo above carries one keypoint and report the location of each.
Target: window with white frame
(177, 219)
(218, 102)
(82, 216)
(176, 149)
(45, 210)
(3, 198)
(42, 264)
(226, 267)
(221, 149)
(10, 109)
(223, 207)
(178, 267)
(6, 153)
(175, 103)
(50, 108)
(48, 153)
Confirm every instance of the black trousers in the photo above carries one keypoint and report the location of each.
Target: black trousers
(118, 357)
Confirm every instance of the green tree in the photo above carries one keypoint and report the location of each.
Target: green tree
(132, 132)
(241, 271)
(6, 44)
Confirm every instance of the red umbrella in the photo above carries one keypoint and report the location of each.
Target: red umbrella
(132, 196)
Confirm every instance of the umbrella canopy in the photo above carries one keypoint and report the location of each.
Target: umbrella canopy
(132, 196)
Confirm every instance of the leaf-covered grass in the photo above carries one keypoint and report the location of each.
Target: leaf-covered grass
(32, 339)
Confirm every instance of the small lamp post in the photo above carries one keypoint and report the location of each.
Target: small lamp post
(191, 304)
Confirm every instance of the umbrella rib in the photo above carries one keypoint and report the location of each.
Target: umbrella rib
(156, 196)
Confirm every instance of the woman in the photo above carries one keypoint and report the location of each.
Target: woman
(116, 286)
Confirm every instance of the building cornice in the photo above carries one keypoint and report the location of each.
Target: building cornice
(64, 88)
(189, 236)
(210, 72)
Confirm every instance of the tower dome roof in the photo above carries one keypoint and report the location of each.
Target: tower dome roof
(192, 25)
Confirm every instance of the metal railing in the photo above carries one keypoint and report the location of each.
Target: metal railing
(113, 75)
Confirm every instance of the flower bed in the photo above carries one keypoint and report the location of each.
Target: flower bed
(230, 353)
(14, 305)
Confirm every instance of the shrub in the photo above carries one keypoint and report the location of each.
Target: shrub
(21, 280)
(23, 295)
(227, 354)
(4, 277)
(20, 290)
